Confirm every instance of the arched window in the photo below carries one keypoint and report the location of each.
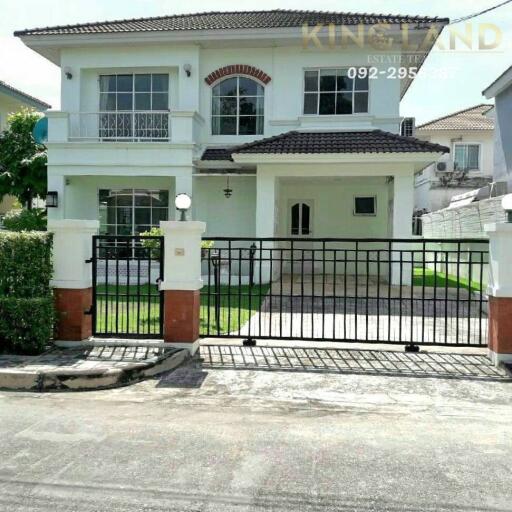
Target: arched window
(237, 107)
(301, 219)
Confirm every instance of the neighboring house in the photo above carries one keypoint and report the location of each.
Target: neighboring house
(12, 100)
(501, 91)
(469, 135)
(269, 138)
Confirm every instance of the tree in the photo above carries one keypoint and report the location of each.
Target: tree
(22, 159)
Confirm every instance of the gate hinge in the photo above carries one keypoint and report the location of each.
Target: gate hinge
(89, 260)
(89, 311)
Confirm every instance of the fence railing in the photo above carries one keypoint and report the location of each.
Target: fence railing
(126, 299)
(128, 126)
(405, 291)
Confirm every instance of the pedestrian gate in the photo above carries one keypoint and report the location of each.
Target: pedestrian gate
(126, 298)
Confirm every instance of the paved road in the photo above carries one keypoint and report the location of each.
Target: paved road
(223, 439)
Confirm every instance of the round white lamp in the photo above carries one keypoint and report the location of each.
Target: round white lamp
(506, 204)
(182, 203)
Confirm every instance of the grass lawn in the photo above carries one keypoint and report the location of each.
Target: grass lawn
(237, 305)
(440, 280)
(131, 316)
(128, 315)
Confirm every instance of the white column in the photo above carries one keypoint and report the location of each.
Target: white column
(182, 255)
(265, 223)
(403, 207)
(72, 246)
(57, 184)
(265, 204)
(182, 282)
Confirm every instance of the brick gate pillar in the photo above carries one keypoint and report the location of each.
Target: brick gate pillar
(182, 282)
(499, 290)
(72, 276)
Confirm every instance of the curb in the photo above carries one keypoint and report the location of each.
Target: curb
(88, 380)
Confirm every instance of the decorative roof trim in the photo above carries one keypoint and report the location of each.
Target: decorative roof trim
(237, 69)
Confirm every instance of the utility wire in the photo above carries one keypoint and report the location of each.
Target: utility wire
(470, 16)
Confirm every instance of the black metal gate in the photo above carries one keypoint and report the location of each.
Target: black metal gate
(126, 297)
(401, 291)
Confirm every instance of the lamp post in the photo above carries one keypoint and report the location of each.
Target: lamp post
(182, 203)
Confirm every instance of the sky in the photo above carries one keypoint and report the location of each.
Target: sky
(450, 80)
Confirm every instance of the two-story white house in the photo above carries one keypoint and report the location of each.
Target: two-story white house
(272, 121)
(469, 134)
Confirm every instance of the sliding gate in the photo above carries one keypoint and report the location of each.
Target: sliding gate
(401, 291)
(126, 300)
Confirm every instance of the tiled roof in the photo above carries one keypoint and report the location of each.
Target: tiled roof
(217, 154)
(23, 96)
(277, 18)
(472, 118)
(374, 141)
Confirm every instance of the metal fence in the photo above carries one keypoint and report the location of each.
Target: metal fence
(126, 298)
(403, 291)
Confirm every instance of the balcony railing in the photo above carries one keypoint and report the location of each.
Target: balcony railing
(121, 126)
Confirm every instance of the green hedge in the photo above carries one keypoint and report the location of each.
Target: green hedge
(26, 325)
(25, 264)
(25, 220)
(26, 302)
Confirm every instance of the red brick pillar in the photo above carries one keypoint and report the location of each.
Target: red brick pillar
(182, 282)
(500, 292)
(72, 277)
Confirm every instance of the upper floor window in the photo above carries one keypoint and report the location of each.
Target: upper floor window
(134, 107)
(466, 157)
(237, 107)
(134, 92)
(332, 92)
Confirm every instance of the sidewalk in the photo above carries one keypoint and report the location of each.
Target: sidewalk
(87, 367)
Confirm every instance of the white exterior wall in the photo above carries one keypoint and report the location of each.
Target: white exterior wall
(439, 197)
(283, 94)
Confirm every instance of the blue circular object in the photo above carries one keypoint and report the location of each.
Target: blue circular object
(40, 131)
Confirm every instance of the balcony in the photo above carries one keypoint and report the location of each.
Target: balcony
(152, 126)
(134, 143)
(129, 126)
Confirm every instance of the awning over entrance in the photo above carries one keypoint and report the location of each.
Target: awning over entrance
(322, 142)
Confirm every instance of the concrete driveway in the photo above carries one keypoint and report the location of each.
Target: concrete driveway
(217, 437)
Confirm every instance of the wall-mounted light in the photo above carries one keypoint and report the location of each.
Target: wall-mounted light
(188, 69)
(228, 191)
(182, 203)
(68, 72)
(52, 199)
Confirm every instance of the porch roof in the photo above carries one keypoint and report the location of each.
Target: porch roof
(295, 142)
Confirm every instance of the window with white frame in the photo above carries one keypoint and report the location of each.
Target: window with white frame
(365, 205)
(237, 107)
(466, 157)
(300, 216)
(332, 92)
(134, 106)
(131, 211)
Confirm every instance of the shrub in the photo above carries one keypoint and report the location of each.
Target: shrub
(26, 325)
(25, 220)
(25, 264)
(26, 302)
(154, 245)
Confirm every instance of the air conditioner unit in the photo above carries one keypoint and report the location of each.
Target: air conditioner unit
(408, 127)
(498, 188)
(444, 167)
